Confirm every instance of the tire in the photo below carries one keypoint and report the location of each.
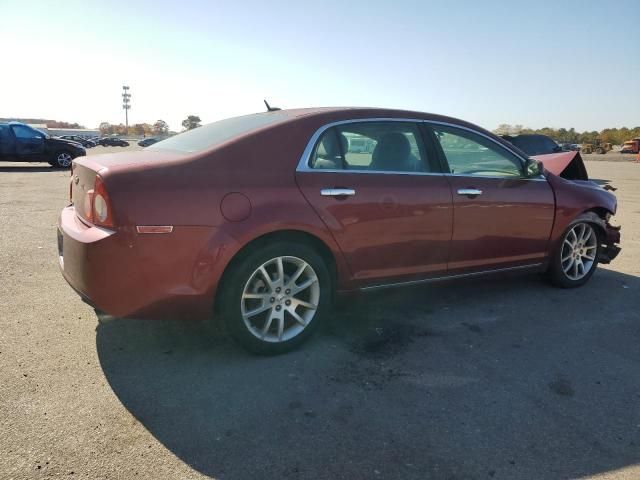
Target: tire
(564, 270)
(61, 159)
(257, 311)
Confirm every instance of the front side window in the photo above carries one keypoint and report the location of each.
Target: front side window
(371, 146)
(22, 132)
(468, 153)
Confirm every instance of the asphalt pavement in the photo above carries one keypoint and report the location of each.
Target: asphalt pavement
(501, 378)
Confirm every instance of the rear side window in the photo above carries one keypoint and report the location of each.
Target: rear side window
(213, 134)
(468, 153)
(371, 146)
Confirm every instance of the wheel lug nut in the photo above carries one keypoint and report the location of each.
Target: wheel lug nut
(272, 299)
(278, 290)
(287, 291)
(278, 308)
(287, 303)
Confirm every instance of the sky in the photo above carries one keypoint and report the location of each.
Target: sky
(571, 63)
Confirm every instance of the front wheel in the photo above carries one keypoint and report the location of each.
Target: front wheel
(576, 258)
(61, 159)
(274, 298)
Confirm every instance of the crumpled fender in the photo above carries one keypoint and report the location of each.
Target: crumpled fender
(568, 165)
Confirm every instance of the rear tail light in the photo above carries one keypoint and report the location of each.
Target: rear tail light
(97, 205)
(102, 211)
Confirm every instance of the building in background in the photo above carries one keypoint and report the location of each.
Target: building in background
(57, 132)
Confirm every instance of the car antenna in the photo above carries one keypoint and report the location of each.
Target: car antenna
(270, 108)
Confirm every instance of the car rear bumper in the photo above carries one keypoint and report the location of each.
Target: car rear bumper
(126, 274)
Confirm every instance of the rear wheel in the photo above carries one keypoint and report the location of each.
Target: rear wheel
(61, 159)
(577, 256)
(274, 298)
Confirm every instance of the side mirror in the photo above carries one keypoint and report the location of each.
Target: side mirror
(533, 168)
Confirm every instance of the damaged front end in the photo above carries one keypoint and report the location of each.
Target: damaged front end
(609, 248)
(567, 165)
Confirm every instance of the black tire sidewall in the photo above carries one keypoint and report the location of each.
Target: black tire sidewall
(557, 274)
(234, 283)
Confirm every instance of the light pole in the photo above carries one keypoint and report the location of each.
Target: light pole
(126, 104)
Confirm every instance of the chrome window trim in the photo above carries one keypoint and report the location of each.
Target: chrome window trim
(369, 172)
(303, 163)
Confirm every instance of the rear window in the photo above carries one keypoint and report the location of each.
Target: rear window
(213, 134)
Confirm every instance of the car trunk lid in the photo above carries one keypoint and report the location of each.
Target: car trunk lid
(86, 169)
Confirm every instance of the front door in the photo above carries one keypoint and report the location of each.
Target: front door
(29, 143)
(381, 194)
(502, 218)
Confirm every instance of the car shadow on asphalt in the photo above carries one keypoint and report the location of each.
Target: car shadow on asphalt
(495, 378)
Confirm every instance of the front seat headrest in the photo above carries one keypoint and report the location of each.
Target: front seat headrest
(391, 153)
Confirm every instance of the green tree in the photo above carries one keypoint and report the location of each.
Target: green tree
(160, 127)
(191, 122)
(105, 128)
(138, 129)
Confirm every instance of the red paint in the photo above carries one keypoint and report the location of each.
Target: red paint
(396, 228)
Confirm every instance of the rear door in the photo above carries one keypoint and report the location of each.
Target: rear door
(501, 217)
(381, 194)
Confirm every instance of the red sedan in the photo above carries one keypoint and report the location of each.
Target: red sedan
(262, 219)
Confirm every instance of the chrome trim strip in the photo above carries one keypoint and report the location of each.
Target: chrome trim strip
(448, 277)
(377, 172)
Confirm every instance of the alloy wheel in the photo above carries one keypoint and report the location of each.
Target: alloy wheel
(280, 299)
(64, 159)
(579, 251)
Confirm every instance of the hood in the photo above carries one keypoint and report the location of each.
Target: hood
(64, 141)
(568, 165)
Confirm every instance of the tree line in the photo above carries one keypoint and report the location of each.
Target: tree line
(159, 128)
(615, 136)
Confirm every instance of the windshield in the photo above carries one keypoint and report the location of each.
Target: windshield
(213, 134)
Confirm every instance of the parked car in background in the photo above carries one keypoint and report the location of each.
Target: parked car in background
(113, 142)
(570, 147)
(82, 141)
(21, 143)
(145, 142)
(264, 219)
(534, 144)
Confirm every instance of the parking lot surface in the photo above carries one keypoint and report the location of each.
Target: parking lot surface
(502, 378)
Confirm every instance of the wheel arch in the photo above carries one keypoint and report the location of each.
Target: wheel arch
(280, 235)
(598, 217)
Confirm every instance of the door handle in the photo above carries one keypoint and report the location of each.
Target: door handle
(469, 191)
(337, 192)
